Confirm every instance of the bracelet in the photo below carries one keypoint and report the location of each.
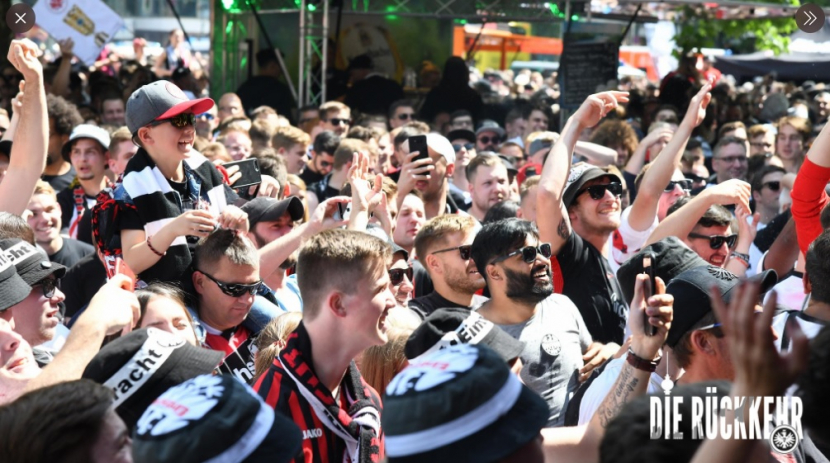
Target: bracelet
(743, 258)
(640, 363)
(150, 245)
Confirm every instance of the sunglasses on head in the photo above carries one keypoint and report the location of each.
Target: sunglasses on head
(488, 140)
(467, 146)
(716, 241)
(598, 191)
(466, 251)
(773, 186)
(179, 120)
(528, 253)
(48, 286)
(396, 275)
(338, 121)
(685, 185)
(406, 116)
(234, 289)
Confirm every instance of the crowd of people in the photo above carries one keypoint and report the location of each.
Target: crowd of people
(459, 278)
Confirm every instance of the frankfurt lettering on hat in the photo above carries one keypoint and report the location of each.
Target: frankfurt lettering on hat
(189, 401)
(438, 368)
(137, 371)
(472, 331)
(20, 252)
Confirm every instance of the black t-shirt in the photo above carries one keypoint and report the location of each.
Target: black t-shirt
(81, 282)
(425, 305)
(60, 182)
(592, 286)
(310, 177)
(71, 252)
(323, 191)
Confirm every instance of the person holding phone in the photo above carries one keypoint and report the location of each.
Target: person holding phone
(170, 195)
(430, 175)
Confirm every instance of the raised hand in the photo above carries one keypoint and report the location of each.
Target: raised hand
(597, 106)
(659, 309)
(732, 191)
(194, 223)
(412, 171)
(760, 370)
(66, 46)
(697, 107)
(114, 306)
(364, 196)
(234, 218)
(23, 54)
(323, 216)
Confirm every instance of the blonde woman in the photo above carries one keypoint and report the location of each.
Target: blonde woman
(379, 364)
(272, 339)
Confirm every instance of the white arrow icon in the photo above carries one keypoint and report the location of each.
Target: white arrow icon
(811, 18)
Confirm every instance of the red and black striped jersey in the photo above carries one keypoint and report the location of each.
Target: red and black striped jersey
(239, 349)
(320, 444)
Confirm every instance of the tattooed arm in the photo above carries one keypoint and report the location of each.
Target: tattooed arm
(581, 444)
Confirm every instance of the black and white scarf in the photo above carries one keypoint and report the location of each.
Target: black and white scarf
(156, 203)
(359, 425)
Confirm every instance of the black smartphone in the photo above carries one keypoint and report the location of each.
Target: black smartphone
(649, 288)
(419, 143)
(249, 168)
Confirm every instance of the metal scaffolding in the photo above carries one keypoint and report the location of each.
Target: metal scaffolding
(314, 45)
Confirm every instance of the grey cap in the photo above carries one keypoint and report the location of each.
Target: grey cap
(160, 100)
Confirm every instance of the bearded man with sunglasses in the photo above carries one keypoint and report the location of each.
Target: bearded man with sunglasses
(226, 279)
(766, 190)
(516, 265)
(444, 248)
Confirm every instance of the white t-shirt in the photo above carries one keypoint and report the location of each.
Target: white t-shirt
(790, 290)
(626, 241)
(602, 385)
(809, 325)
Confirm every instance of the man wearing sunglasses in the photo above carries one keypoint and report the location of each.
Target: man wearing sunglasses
(37, 317)
(401, 113)
(766, 190)
(322, 157)
(582, 211)
(444, 247)
(464, 144)
(489, 136)
(226, 278)
(336, 117)
(517, 269)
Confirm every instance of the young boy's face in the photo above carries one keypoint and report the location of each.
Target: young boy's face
(369, 305)
(167, 139)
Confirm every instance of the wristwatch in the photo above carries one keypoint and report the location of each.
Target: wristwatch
(641, 363)
(741, 257)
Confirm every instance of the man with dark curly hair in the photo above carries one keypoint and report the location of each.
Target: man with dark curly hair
(63, 117)
(617, 135)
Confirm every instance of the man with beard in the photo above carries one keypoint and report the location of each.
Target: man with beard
(88, 151)
(277, 238)
(517, 269)
(444, 247)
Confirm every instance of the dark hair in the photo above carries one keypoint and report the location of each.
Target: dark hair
(496, 239)
(360, 133)
(512, 115)
(715, 216)
(400, 104)
(731, 127)
(500, 211)
(730, 140)
(758, 178)
(64, 114)
(164, 290)
(272, 164)
(224, 243)
(404, 134)
(812, 387)
(628, 437)
(55, 423)
(527, 110)
(818, 267)
(13, 226)
(266, 57)
(757, 162)
(326, 142)
(460, 113)
(682, 351)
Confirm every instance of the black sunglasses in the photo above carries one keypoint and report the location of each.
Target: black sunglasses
(396, 275)
(179, 120)
(234, 289)
(598, 191)
(488, 140)
(467, 146)
(773, 186)
(716, 241)
(528, 253)
(406, 116)
(694, 177)
(466, 251)
(338, 121)
(48, 287)
(685, 185)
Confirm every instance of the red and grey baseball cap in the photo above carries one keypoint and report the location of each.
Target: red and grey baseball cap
(160, 100)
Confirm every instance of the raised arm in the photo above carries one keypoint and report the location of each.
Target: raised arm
(28, 155)
(597, 155)
(808, 195)
(554, 225)
(581, 444)
(60, 84)
(681, 222)
(644, 209)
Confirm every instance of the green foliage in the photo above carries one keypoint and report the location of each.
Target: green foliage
(699, 28)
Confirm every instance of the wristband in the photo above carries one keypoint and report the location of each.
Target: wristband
(150, 245)
(743, 258)
(640, 363)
